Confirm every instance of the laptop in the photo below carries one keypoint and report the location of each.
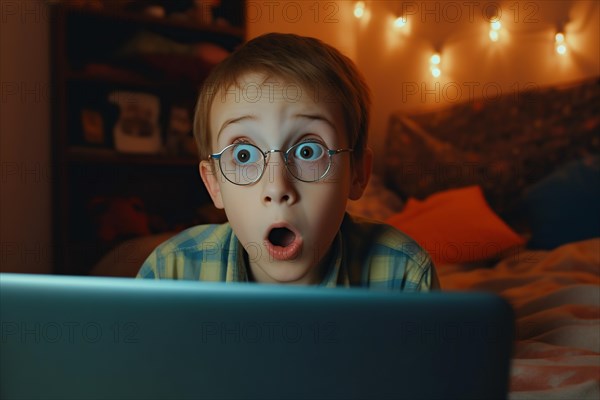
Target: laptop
(73, 337)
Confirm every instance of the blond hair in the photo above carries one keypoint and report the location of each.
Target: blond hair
(307, 61)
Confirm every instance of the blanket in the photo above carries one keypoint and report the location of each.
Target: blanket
(556, 298)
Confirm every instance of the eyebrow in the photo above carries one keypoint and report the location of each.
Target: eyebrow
(233, 121)
(314, 117)
(317, 117)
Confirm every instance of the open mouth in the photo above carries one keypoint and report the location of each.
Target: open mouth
(283, 243)
(281, 237)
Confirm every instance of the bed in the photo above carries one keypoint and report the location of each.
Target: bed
(504, 195)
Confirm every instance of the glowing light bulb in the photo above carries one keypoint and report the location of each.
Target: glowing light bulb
(359, 9)
(559, 43)
(400, 22)
(434, 65)
(495, 26)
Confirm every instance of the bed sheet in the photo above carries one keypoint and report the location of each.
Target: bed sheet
(556, 298)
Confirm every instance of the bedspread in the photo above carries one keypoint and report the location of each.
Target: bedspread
(556, 298)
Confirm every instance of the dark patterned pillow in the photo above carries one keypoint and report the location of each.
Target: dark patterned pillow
(502, 145)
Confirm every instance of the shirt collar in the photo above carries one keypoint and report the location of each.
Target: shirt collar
(335, 275)
(236, 261)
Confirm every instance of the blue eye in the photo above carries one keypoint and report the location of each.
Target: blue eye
(309, 151)
(246, 154)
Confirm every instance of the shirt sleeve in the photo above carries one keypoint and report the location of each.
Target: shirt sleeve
(149, 267)
(429, 280)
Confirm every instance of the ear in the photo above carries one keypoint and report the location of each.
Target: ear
(361, 174)
(211, 182)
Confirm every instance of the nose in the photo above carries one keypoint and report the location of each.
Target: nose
(278, 187)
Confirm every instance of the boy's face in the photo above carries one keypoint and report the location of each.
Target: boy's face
(285, 225)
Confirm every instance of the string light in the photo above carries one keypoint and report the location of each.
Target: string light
(495, 26)
(400, 22)
(359, 9)
(559, 43)
(434, 65)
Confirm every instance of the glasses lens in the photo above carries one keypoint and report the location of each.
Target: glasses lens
(242, 163)
(308, 161)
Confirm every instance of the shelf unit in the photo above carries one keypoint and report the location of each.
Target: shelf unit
(88, 65)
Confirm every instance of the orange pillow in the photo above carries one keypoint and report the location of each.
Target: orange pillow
(456, 226)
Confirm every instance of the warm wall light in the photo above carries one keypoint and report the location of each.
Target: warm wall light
(559, 43)
(359, 9)
(434, 65)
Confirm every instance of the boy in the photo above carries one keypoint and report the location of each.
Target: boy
(281, 127)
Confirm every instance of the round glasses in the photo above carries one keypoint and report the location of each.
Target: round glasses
(245, 163)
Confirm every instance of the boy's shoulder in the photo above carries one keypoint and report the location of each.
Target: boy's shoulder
(201, 252)
(385, 257)
(198, 238)
(378, 237)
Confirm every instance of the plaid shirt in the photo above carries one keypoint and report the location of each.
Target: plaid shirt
(366, 253)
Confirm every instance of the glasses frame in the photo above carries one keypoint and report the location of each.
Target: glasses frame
(284, 154)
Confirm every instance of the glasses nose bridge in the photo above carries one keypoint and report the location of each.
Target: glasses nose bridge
(268, 153)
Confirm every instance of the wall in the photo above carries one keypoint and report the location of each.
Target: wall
(25, 206)
(396, 61)
(330, 21)
(393, 63)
